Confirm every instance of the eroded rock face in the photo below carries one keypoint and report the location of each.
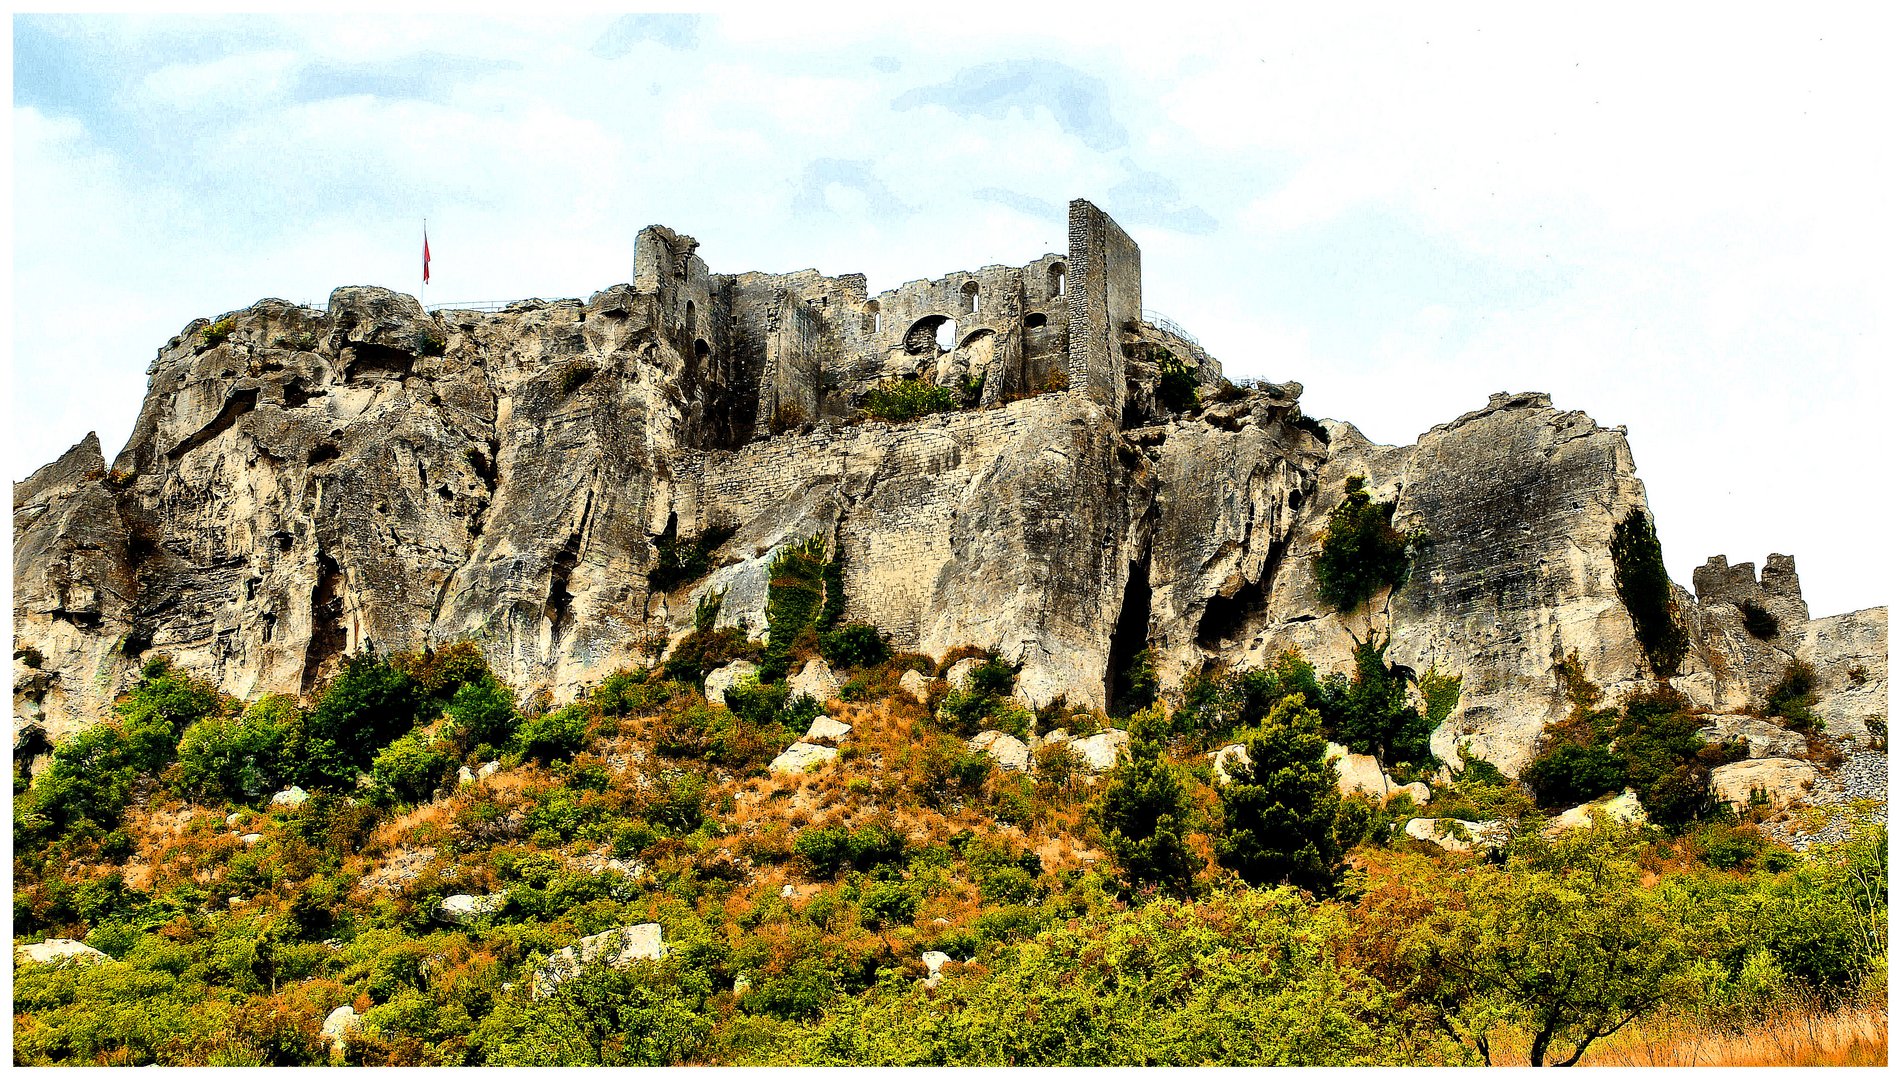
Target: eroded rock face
(304, 483)
(617, 948)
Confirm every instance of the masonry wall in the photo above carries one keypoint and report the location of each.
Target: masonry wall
(1106, 294)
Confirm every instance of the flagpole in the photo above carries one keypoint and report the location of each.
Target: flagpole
(422, 293)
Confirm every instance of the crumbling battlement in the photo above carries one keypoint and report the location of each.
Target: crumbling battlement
(803, 347)
(1779, 591)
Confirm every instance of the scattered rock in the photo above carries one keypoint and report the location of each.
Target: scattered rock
(1008, 751)
(1059, 735)
(787, 892)
(231, 820)
(916, 685)
(1622, 809)
(803, 757)
(1099, 751)
(621, 947)
(1765, 739)
(958, 677)
(824, 729)
(464, 776)
(1359, 772)
(54, 950)
(1455, 834)
(338, 1025)
(1418, 790)
(250, 838)
(741, 985)
(462, 908)
(489, 770)
(815, 681)
(719, 680)
(934, 964)
(291, 796)
(1782, 781)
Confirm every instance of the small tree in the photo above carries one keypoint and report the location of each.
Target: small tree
(1279, 807)
(1143, 813)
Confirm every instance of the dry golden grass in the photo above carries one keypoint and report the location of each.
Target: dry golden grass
(1795, 1036)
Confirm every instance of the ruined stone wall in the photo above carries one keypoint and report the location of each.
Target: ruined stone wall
(1105, 294)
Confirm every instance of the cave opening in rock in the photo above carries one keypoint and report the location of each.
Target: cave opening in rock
(1228, 618)
(1130, 639)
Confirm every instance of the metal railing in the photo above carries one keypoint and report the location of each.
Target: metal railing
(1168, 325)
(485, 306)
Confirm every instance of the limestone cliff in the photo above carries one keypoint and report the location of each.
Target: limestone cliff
(305, 483)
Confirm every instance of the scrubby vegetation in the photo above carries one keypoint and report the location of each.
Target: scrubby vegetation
(1143, 916)
(907, 399)
(1362, 553)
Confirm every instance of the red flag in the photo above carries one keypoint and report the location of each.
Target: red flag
(425, 256)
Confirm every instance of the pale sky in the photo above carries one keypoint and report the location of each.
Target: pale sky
(1678, 221)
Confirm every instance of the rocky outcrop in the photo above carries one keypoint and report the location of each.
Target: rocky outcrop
(1008, 751)
(305, 483)
(616, 948)
(1775, 782)
(803, 757)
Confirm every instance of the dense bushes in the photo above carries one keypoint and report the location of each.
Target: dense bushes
(1793, 697)
(906, 399)
(242, 758)
(1651, 744)
(679, 562)
(1361, 553)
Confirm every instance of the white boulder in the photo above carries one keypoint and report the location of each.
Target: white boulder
(1766, 740)
(464, 776)
(934, 966)
(803, 757)
(338, 1025)
(824, 729)
(250, 839)
(1455, 834)
(1421, 793)
(1008, 751)
(959, 674)
(489, 770)
(1099, 751)
(815, 681)
(621, 947)
(53, 950)
(1782, 781)
(291, 796)
(1622, 809)
(463, 908)
(719, 680)
(916, 686)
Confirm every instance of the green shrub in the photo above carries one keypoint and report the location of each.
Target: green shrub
(1371, 714)
(1644, 586)
(553, 736)
(833, 848)
(1362, 553)
(854, 645)
(1568, 774)
(408, 771)
(705, 647)
(645, 1014)
(484, 713)
(219, 332)
(890, 903)
(242, 758)
(369, 704)
(1176, 386)
(906, 399)
(679, 562)
(1793, 696)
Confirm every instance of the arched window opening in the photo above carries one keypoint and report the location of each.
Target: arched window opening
(692, 318)
(1056, 279)
(970, 296)
(931, 334)
(1035, 320)
(874, 319)
(701, 350)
